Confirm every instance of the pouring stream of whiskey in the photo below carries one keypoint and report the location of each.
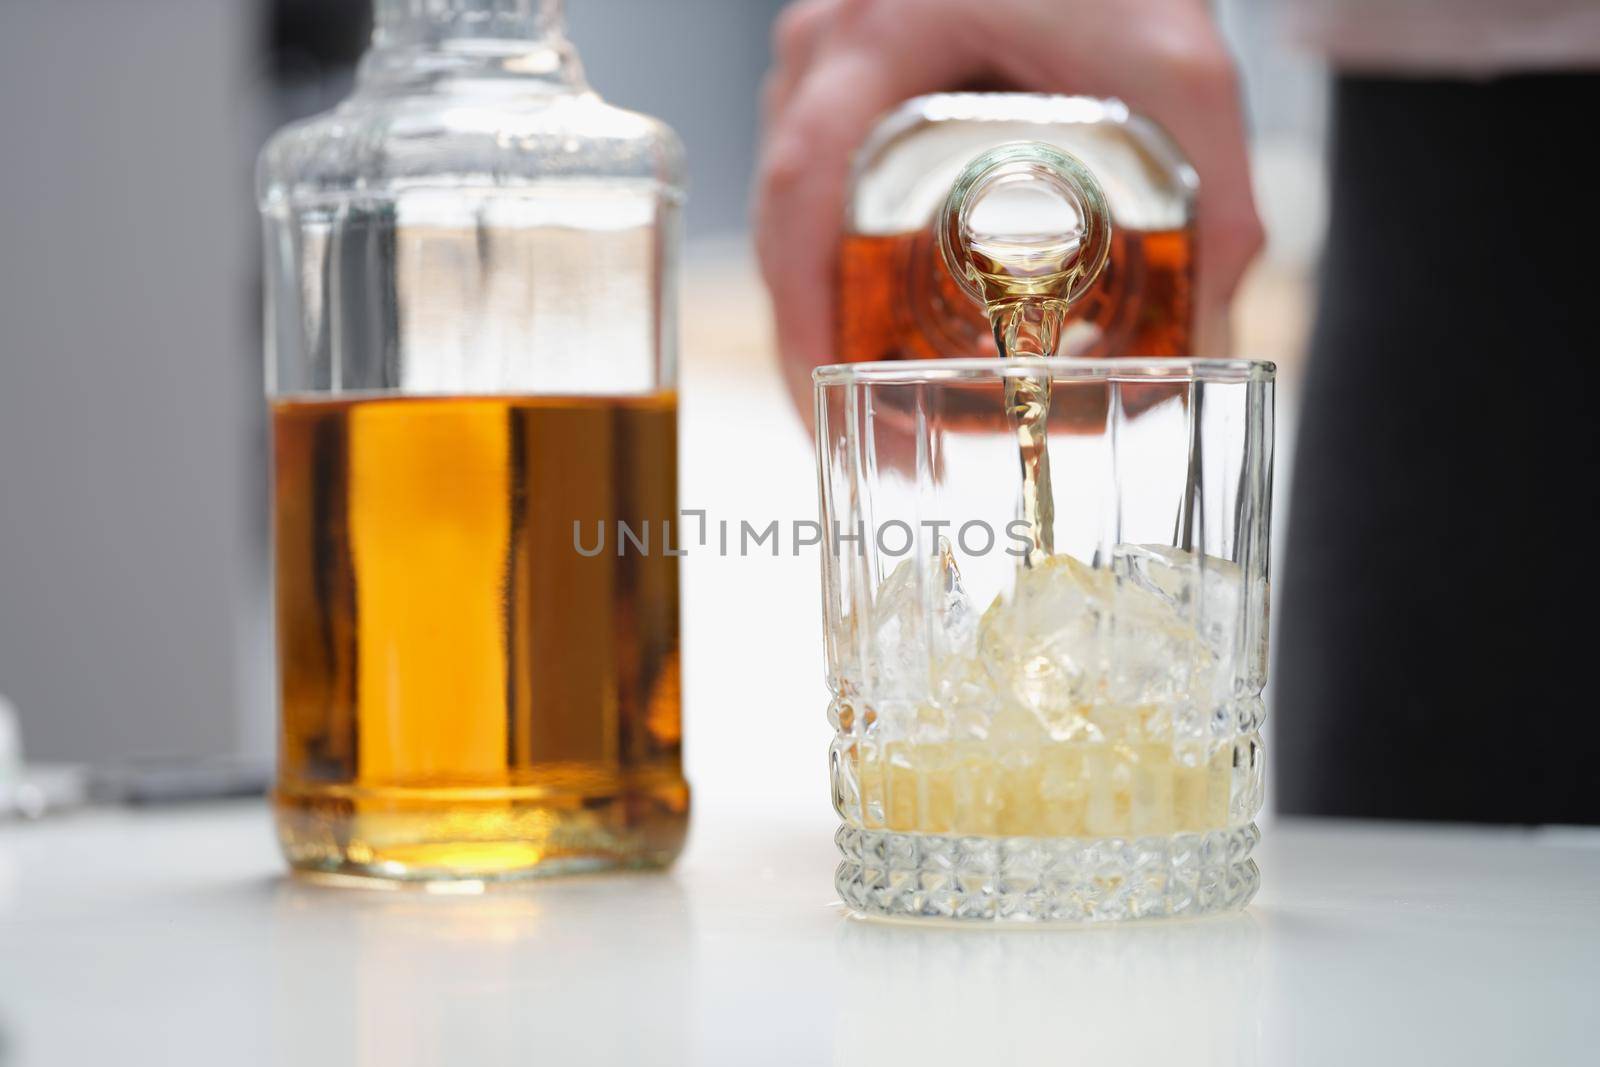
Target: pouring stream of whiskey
(1026, 231)
(1031, 329)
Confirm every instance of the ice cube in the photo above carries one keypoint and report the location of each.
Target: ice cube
(1040, 645)
(1155, 657)
(1205, 590)
(965, 692)
(921, 621)
(1090, 654)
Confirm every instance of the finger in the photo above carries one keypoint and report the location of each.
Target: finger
(865, 68)
(1179, 75)
(795, 34)
(1212, 134)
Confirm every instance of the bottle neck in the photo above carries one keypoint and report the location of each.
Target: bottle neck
(419, 43)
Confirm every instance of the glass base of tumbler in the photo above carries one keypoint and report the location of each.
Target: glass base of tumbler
(449, 838)
(891, 875)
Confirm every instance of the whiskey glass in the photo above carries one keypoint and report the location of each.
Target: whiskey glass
(1073, 738)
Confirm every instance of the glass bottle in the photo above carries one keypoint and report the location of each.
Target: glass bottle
(471, 274)
(897, 299)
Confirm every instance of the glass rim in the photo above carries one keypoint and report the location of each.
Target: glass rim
(1059, 368)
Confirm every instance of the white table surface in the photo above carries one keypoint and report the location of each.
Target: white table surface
(174, 937)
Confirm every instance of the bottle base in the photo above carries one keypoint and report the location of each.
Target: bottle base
(435, 837)
(892, 875)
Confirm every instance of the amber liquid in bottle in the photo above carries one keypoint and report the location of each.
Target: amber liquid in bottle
(896, 300)
(464, 692)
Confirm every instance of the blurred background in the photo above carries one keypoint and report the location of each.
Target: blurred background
(134, 613)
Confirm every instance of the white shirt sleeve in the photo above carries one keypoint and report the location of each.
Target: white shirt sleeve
(1473, 38)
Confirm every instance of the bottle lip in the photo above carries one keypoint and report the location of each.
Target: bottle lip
(1043, 166)
(422, 44)
(1056, 368)
(410, 22)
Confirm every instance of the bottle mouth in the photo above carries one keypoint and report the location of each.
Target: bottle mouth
(1025, 221)
(412, 22)
(423, 44)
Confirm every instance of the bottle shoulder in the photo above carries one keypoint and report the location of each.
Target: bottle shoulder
(909, 161)
(373, 145)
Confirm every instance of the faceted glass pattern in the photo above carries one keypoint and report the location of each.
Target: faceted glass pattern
(1073, 741)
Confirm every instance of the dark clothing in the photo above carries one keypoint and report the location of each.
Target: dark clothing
(1439, 651)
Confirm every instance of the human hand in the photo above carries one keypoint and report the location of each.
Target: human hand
(840, 64)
